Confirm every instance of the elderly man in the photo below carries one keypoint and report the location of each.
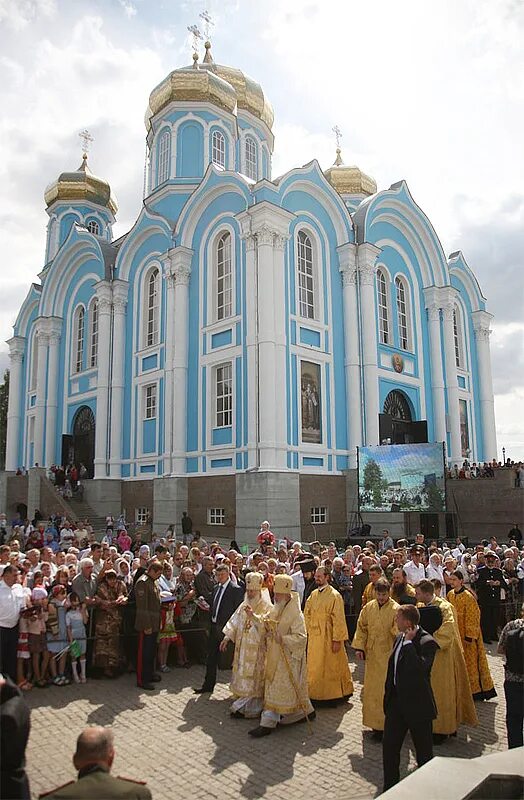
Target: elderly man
(12, 602)
(449, 676)
(329, 676)
(93, 759)
(286, 692)
(375, 636)
(247, 684)
(147, 623)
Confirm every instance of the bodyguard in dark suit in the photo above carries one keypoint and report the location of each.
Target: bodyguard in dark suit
(225, 600)
(409, 704)
(490, 582)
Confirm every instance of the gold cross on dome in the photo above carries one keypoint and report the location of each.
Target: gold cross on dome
(86, 138)
(194, 31)
(338, 134)
(208, 23)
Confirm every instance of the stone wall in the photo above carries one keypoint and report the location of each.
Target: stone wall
(216, 491)
(136, 494)
(323, 490)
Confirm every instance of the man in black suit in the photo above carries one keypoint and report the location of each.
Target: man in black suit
(490, 582)
(226, 599)
(408, 699)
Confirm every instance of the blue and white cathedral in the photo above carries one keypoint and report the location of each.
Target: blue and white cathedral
(231, 351)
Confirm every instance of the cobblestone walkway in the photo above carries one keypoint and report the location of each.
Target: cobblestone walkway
(186, 745)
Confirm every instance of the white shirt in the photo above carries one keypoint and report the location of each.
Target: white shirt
(402, 643)
(414, 574)
(299, 583)
(12, 601)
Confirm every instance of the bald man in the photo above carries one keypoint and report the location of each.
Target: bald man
(93, 759)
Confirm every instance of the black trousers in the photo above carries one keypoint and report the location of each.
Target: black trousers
(489, 619)
(514, 692)
(213, 653)
(8, 648)
(145, 659)
(395, 728)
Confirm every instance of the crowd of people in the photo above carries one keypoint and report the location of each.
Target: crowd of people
(487, 469)
(284, 616)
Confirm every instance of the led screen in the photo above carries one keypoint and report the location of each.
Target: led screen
(402, 477)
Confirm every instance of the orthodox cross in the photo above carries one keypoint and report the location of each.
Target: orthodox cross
(208, 23)
(338, 134)
(86, 141)
(193, 30)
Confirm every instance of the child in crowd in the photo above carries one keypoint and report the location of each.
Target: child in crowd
(36, 626)
(76, 621)
(56, 636)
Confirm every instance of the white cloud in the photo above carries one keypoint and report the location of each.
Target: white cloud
(129, 9)
(16, 14)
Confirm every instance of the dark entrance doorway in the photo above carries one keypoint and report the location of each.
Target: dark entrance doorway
(396, 423)
(80, 446)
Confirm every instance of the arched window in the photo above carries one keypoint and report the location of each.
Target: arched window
(383, 307)
(251, 158)
(152, 308)
(78, 340)
(93, 337)
(163, 156)
(218, 148)
(457, 337)
(93, 227)
(402, 314)
(397, 406)
(306, 282)
(224, 293)
(34, 363)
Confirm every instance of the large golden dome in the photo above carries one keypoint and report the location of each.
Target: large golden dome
(349, 180)
(81, 185)
(223, 86)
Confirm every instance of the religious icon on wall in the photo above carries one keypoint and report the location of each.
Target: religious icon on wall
(398, 362)
(310, 385)
(464, 428)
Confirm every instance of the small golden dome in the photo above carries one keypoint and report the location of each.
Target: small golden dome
(349, 180)
(191, 83)
(81, 185)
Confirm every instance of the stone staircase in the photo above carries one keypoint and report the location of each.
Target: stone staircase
(82, 510)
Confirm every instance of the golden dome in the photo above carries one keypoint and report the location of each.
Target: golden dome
(81, 185)
(191, 83)
(349, 180)
(224, 86)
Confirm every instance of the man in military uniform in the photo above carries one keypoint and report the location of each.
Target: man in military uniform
(147, 623)
(93, 759)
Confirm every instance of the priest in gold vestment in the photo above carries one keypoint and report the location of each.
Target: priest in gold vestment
(374, 639)
(449, 676)
(247, 683)
(328, 673)
(286, 698)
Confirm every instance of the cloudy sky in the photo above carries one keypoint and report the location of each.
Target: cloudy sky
(431, 91)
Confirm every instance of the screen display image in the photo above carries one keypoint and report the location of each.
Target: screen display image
(402, 477)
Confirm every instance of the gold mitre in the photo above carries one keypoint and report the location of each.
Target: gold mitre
(254, 581)
(283, 584)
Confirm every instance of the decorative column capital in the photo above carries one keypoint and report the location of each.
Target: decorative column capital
(104, 294)
(448, 312)
(265, 236)
(178, 264)
(280, 241)
(16, 349)
(120, 292)
(347, 259)
(54, 330)
(367, 255)
(433, 312)
(265, 221)
(367, 275)
(481, 322)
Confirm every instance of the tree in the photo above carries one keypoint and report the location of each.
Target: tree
(373, 481)
(4, 399)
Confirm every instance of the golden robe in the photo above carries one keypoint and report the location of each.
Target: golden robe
(368, 594)
(280, 695)
(467, 613)
(375, 635)
(449, 676)
(250, 650)
(328, 673)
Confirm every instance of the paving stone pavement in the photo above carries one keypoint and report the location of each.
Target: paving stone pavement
(184, 744)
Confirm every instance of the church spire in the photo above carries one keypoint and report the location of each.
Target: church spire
(338, 136)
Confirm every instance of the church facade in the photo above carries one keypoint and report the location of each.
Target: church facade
(248, 333)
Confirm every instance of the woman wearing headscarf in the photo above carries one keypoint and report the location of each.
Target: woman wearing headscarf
(434, 570)
(111, 597)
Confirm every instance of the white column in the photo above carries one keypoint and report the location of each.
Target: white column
(481, 322)
(266, 347)
(16, 404)
(251, 340)
(348, 270)
(104, 295)
(41, 373)
(282, 399)
(437, 373)
(448, 307)
(181, 271)
(120, 289)
(366, 257)
(170, 352)
(54, 327)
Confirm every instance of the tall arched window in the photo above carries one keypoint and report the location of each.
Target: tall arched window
(93, 337)
(78, 340)
(251, 158)
(152, 308)
(93, 227)
(224, 293)
(457, 337)
(163, 156)
(218, 149)
(402, 314)
(306, 280)
(383, 307)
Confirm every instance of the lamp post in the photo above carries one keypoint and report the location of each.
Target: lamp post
(503, 456)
